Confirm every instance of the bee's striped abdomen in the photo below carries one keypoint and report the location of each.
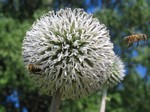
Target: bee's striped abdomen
(34, 68)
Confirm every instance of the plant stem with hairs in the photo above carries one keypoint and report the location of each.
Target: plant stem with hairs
(56, 101)
(103, 101)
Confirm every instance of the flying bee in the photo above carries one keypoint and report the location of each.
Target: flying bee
(135, 38)
(33, 68)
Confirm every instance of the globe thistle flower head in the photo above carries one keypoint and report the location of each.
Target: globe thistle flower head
(72, 50)
(117, 72)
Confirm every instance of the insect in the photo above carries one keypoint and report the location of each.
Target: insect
(135, 38)
(33, 68)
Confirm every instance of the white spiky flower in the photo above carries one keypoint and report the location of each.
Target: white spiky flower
(117, 72)
(74, 51)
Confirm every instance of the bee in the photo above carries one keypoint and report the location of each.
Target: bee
(135, 38)
(33, 68)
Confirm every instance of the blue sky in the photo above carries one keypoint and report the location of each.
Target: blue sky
(93, 5)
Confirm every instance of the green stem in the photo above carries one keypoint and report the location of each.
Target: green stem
(56, 101)
(103, 101)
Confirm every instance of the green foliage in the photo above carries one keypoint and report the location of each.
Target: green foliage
(134, 92)
(89, 104)
(20, 9)
(12, 70)
(10, 55)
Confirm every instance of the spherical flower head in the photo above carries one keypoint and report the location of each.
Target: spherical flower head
(72, 51)
(117, 72)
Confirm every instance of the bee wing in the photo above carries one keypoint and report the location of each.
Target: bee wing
(145, 37)
(131, 31)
